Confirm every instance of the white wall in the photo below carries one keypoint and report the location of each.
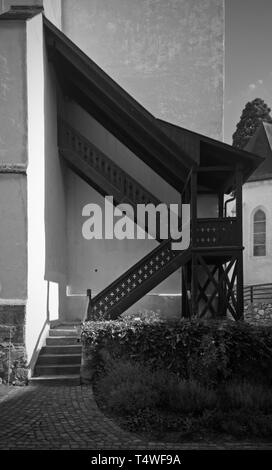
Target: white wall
(36, 311)
(46, 193)
(257, 269)
(55, 197)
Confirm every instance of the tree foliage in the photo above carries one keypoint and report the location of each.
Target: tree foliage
(254, 113)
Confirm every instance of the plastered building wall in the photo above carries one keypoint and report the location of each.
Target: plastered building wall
(168, 54)
(32, 191)
(257, 269)
(13, 190)
(13, 155)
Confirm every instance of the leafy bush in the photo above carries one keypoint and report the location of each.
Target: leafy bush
(189, 396)
(145, 315)
(208, 352)
(156, 401)
(239, 423)
(210, 363)
(127, 387)
(247, 396)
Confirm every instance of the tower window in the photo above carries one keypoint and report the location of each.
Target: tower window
(259, 233)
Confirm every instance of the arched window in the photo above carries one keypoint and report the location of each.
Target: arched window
(259, 233)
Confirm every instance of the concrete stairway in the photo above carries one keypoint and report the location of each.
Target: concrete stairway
(60, 359)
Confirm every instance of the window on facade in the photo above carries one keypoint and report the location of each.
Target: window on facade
(259, 233)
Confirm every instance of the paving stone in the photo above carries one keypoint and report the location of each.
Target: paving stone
(67, 417)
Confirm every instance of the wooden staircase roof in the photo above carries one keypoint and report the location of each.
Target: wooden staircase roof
(87, 84)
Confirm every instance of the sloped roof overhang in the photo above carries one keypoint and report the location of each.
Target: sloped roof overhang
(261, 144)
(168, 149)
(208, 152)
(115, 109)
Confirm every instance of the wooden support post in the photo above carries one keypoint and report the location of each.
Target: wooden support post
(184, 312)
(182, 305)
(193, 205)
(89, 306)
(193, 229)
(251, 295)
(239, 215)
(222, 294)
(194, 286)
(221, 205)
(221, 306)
(240, 287)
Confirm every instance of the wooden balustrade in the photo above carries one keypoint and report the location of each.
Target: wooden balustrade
(131, 191)
(221, 232)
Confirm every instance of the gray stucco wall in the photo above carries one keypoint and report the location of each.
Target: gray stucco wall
(168, 54)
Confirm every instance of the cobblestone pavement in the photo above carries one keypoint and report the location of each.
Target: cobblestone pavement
(65, 417)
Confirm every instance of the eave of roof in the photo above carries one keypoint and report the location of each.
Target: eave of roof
(120, 113)
(146, 136)
(261, 143)
(222, 152)
(21, 12)
(268, 131)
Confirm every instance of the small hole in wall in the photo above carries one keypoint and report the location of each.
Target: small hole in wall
(95, 270)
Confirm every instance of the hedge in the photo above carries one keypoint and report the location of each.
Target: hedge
(211, 352)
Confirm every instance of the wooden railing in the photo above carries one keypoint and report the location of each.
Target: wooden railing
(152, 269)
(258, 293)
(127, 187)
(149, 269)
(209, 232)
(216, 232)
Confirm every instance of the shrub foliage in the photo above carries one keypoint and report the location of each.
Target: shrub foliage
(209, 352)
(146, 400)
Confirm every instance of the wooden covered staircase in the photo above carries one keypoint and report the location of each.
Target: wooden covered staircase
(98, 170)
(191, 163)
(211, 248)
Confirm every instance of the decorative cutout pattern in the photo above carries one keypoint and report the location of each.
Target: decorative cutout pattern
(216, 232)
(133, 279)
(129, 188)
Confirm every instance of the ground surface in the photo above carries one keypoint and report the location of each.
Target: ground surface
(65, 417)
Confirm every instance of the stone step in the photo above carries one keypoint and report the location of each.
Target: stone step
(65, 326)
(62, 369)
(61, 349)
(53, 380)
(63, 332)
(62, 340)
(57, 359)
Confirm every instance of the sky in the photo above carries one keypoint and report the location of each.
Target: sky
(248, 57)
